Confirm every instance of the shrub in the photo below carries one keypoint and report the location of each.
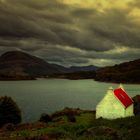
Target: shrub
(67, 111)
(9, 111)
(45, 118)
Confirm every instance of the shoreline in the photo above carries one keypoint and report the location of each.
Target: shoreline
(50, 78)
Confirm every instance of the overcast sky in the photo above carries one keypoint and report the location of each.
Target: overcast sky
(72, 32)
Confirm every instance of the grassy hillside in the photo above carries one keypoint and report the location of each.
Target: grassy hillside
(128, 72)
(84, 127)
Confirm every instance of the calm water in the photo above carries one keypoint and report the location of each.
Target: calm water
(46, 96)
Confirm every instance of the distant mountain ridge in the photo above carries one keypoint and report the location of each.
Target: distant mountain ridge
(83, 68)
(128, 72)
(17, 65)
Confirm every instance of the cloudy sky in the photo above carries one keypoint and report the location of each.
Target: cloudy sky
(72, 32)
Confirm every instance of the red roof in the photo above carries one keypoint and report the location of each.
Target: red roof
(123, 97)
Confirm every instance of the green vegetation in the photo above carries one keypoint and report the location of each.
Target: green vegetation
(67, 124)
(9, 111)
(85, 127)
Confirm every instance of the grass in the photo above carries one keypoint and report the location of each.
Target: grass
(60, 128)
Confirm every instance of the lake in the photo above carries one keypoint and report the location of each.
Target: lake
(49, 95)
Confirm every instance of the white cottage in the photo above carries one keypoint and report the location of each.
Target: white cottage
(115, 104)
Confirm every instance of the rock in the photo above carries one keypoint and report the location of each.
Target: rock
(68, 112)
(45, 118)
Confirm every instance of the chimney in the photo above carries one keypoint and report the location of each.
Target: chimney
(121, 86)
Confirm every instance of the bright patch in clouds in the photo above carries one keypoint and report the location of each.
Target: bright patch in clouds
(72, 49)
(2, 1)
(118, 50)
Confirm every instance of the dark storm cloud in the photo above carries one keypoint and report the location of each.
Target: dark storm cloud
(47, 25)
(21, 21)
(115, 25)
(68, 34)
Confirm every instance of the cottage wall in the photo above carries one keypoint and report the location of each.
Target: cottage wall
(110, 107)
(129, 111)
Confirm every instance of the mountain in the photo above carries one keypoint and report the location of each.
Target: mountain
(83, 68)
(128, 72)
(78, 72)
(16, 65)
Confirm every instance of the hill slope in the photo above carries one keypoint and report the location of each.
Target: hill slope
(128, 72)
(19, 65)
(16, 65)
(83, 68)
